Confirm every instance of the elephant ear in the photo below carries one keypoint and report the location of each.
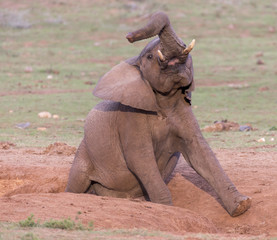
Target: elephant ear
(124, 84)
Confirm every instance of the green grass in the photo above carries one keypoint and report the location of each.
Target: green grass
(67, 224)
(245, 106)
(29, 236)
(11, 231)
(29, 222)
(78, 44)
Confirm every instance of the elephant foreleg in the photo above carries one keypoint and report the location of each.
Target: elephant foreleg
(205, 164)
(199, 155)
(137, 147)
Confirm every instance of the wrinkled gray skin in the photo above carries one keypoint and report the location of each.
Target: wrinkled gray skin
(133, 139)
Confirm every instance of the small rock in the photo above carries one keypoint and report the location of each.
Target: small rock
(131, 6)
(81, 120)
(55, 116)
(28, 69)
(231, 26)
(45, 115)
(259, 54)
(271, 29)
(261, 140)
(23, 125)
(245, 128)
(43, 129)
(272, 139)
(260, 62)
(50, 77)
(238, 85)
(263, 89)
(89, 82)
(53, 71)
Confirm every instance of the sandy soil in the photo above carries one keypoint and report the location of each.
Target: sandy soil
(33, 181)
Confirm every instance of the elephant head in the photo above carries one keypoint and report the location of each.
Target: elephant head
(164, 66)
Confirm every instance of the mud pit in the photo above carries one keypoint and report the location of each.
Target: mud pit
(33, 181)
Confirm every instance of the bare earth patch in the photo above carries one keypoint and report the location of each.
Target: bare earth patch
(33, 181)
(59, 148)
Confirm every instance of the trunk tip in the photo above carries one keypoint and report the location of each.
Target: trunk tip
(130, 37)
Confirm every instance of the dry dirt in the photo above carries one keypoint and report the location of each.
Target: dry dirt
(33, 181)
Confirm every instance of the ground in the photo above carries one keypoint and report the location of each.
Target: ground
(32, 180)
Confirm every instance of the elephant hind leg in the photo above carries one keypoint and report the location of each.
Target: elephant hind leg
(101, 190)
(78, 180)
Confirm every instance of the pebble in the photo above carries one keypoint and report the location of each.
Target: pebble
(23, 125)
(45, 115)
(261, 140)
(43, 129)
(28, 69)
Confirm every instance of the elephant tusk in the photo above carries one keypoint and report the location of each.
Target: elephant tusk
(190, 47)
(161, 56)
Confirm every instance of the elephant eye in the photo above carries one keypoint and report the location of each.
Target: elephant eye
(150, 56)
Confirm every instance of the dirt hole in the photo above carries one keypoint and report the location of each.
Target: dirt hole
(7, 185)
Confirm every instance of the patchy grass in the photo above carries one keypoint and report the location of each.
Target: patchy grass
(10, 231)
(29, 222)
(51, 46)
(67, 224)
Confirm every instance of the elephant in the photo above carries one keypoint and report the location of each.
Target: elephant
(135, 136)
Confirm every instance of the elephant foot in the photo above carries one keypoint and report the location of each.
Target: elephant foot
(244, 204)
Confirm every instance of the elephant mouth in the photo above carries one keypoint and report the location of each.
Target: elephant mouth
(181, 59)
(171, 65)
(174, 61)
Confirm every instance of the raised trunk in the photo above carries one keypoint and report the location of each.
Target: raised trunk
(159, 24)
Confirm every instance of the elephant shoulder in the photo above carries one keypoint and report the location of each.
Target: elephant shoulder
(107, 106)
(119, 115)
(103, 115)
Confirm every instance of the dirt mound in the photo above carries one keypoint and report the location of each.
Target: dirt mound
(226, 125)
(197, 208)
(6, 145)
(59, 149)
(106, 213)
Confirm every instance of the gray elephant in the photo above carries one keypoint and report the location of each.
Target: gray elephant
(133, 139)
